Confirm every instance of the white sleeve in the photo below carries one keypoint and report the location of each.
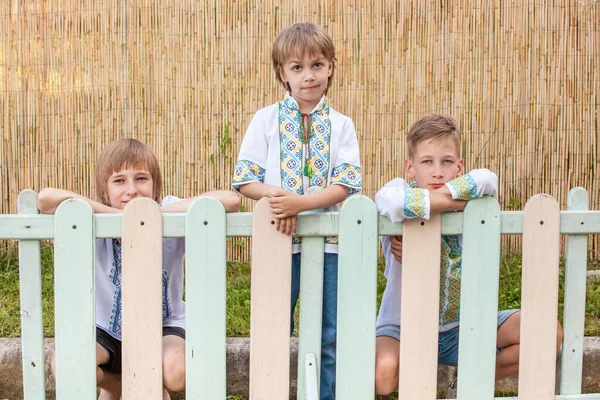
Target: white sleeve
(252, 159)
(346, 166)
(397, 201)
(477, 183)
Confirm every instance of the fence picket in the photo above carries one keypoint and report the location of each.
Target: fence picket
(270, 295)
(141, 282)
(479, 300)
(74, 297)
(357, 299)
(539, 298)
(205, 300)
(574, 306)
(420, 308)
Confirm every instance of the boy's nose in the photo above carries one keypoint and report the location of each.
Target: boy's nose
(132, 189)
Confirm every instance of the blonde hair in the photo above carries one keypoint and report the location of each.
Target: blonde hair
(300, 39)
(433, 126)
(123, 154)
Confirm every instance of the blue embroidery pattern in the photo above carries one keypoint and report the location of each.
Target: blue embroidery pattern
(115, 277)
(348, 175)
(414, 203)
(450, 279)
(247, 171)
(464, 187)
(166, 308)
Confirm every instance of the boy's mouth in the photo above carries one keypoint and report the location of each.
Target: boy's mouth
(436, 185)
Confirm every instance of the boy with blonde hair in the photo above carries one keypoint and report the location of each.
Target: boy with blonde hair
(435, 166)
(299, 146)
(128, 169)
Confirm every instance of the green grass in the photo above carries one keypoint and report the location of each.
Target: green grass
(238, 293)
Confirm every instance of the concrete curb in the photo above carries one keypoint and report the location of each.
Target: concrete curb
(238, 358)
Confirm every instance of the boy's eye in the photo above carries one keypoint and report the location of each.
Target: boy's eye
(426, 161)
(318, 65)
(449, 161)
(296, 68)
(118, 180)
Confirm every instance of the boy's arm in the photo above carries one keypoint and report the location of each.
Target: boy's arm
(285, 204)
(230, 200)
(258, 190)
(398, 202)
(50, 198)
(475, 184)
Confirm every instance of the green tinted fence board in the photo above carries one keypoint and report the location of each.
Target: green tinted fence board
(74, 293)
(141, 281)
(574, 306)
(357, 284)
(539, 299)
(205, 300)
(311, 307)
(479, 299)
(32, 326)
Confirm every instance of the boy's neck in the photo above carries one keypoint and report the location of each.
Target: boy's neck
(304, 107)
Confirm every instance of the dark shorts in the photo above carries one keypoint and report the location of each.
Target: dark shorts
(113, 346)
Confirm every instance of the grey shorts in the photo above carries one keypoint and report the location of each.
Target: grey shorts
(447, 341)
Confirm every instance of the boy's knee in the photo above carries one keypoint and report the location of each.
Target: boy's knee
(386, 374)
(174, 374)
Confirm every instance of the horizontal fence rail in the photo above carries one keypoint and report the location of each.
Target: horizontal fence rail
(205, 228)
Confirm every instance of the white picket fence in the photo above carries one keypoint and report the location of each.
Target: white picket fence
(206, 227)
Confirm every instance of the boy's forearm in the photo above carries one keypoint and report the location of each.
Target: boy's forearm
(229, 199)
(441, 200)
(327, 197)
(258, 190)
(50, 198)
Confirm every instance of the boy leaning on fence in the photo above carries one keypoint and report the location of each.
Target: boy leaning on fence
(296, 147)
(435, 166)
(128, 169)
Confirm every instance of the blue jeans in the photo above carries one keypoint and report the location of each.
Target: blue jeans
(329, 327)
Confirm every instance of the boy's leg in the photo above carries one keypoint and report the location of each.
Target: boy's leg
(509, 340)
(387, 365)
(173, 360)
(295, 287)
(329, 328)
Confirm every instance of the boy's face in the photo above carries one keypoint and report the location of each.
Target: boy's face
(307, 77)
(434, 163)
(128, 184)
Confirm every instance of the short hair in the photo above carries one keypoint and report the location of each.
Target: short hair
(123, 154)
(433, 126)
(299, 39)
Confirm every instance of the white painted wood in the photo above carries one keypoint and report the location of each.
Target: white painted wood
(74, 291)
(269, 307)
(574, 306)
(539, 299)
(142, 300)
(30, 281)
(420, 308)
(205, 300)
(311, 376)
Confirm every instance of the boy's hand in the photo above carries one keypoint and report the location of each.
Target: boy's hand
(287, 225)
(397, 247)
(285, 204)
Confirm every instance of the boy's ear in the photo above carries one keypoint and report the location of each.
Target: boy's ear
(461, 165)
(330, 71)
(408, 167)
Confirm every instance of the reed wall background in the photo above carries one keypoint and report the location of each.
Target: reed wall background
(186, 77)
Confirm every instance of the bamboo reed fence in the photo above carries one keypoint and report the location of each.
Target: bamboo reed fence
(186, 77)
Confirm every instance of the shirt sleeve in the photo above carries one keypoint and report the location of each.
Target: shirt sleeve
(252, 159)
(475, 184)
(397, 201)
(346, 166)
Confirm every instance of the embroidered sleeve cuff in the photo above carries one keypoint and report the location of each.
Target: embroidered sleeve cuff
(463, 188)
(245, 172)
(416, 203)
(348, 175)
